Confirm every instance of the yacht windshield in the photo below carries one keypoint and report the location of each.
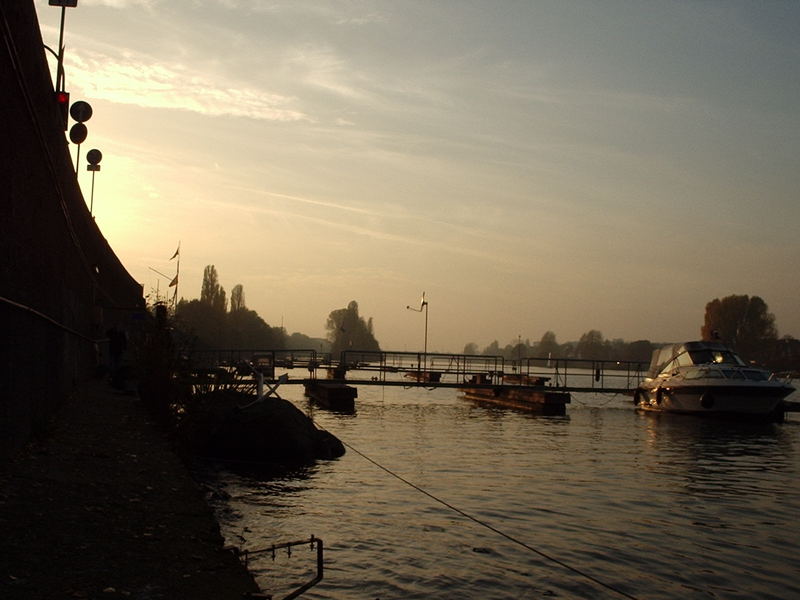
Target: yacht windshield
(722, 357)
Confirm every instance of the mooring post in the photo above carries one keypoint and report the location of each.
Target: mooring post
(260, 385)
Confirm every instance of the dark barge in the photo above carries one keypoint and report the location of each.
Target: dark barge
(332, 395)
(521, 393)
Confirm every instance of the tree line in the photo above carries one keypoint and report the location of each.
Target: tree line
(208, 323)
(214, 322)
(591, 346)
(740, 321)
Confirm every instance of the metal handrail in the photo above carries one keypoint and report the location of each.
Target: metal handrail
(244, 556)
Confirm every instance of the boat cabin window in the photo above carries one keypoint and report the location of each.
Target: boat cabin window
(707, 374)
(695, 373)
(723, 357)
(670, 367)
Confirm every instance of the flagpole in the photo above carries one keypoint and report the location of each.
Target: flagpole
(178, 280)
(175, 280)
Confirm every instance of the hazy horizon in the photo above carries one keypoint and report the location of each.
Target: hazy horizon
(562, 165)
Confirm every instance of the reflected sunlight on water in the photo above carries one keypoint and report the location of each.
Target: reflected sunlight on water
(655, 506)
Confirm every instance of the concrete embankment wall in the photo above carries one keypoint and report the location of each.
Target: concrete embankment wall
(61, 285)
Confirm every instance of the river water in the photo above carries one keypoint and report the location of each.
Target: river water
(604, 502)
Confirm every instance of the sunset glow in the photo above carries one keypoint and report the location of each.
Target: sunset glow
(532, 166)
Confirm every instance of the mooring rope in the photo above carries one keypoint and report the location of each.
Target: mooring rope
(610, 397)
(491, 527)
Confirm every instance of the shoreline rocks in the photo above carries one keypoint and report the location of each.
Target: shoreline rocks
(232, 425)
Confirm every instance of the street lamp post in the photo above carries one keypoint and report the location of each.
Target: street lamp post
(93, 157)
(64, 4)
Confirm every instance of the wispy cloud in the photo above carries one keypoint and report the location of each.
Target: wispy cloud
(117, 3)
(309, 201)
(136, 79)
(354, 14)
(320, 67)
(409, 230)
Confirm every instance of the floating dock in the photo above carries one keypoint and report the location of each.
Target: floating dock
(332, 395)
(536, 399)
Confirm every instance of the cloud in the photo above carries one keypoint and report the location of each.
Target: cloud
(121, 4)
(137, 79)
(354, 14)
(320, 67)
(409, 230)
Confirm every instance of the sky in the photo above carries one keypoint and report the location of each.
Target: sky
(557, 165)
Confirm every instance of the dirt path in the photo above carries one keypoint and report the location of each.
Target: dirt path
(104, 509)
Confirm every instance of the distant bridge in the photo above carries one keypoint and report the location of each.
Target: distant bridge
(208, 369)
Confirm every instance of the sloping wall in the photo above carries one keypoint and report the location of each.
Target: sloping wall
(61, 285)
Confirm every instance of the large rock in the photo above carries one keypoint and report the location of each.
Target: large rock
(233, 425)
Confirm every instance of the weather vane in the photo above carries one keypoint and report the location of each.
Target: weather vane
(423, 305)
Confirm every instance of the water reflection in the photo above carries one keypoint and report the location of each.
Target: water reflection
(662, 504)
(715, 458)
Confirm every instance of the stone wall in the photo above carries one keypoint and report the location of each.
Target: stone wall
(61, 285)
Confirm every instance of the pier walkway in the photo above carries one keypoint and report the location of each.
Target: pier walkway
(212, 368)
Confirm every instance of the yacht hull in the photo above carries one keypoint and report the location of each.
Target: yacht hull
(718, 399)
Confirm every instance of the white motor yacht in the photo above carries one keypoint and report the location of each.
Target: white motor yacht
(708, 378)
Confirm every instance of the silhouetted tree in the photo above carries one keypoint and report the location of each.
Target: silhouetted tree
(493, 349)
(518, 351)
(210, 288)
(246, 330)
(470, 348)
(212, 293)
(548, 346)
(348, 331)
(743, 322)
(202, 323)
(208, 325)
(237, 298)
(300, 341)
(640, 350)
(591, 345)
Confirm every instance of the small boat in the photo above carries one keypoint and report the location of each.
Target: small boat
(709, 378)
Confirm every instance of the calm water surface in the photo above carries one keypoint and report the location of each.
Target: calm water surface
(654, 506)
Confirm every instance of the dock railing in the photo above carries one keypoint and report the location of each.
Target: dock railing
(426, 367)
(207, 370)
(218, 368)
(584, 374)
